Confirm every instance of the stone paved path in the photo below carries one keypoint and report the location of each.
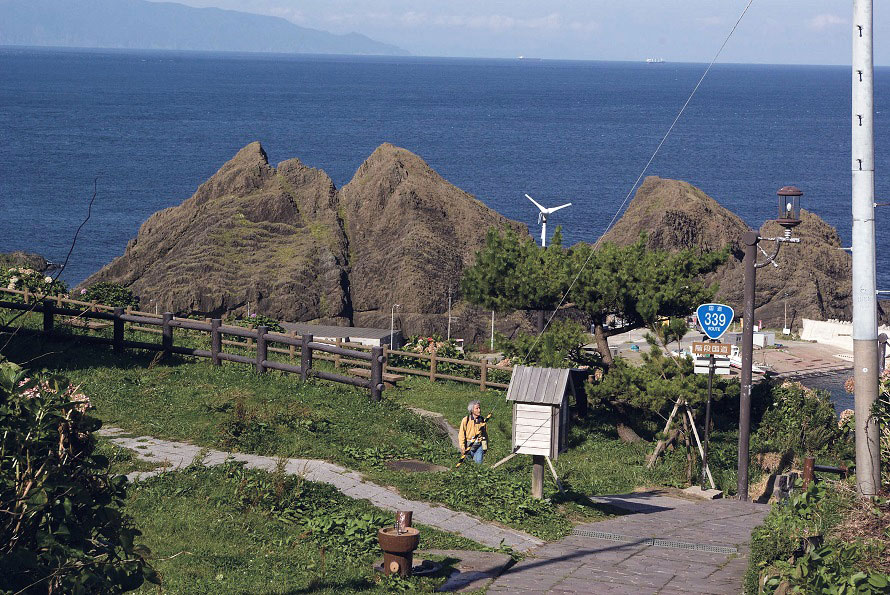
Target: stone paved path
(174, 455)
(581, 564)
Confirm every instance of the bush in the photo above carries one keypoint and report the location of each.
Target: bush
(22, 278)
(109, 294)
(256, 320)
(800, 421)
(61, 527)
(788, 553)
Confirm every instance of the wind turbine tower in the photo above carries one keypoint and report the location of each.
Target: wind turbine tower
(542, 217)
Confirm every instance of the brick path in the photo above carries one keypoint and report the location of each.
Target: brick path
(580, 564)
(174, 455)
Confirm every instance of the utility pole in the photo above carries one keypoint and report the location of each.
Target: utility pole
(865, 299)
(449, 313)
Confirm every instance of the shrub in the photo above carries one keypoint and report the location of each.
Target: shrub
(256, 320)
(61, 527)
(22, 278)
(109, 294)
(800, 421)
(788, 554)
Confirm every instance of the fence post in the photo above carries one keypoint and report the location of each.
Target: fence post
(305, 358)
(378, 359)
(25, 295)
(337, 356)
(47, 316)
(483, 374)
(215, 341)
(261, 351)
(292, 351)
(433, 366)
(167, 332)
(118, 334)
(59, 300)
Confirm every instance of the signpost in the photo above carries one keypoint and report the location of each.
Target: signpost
(714, 320)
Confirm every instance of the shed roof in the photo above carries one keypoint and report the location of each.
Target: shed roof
(546, 386)
(319, 330)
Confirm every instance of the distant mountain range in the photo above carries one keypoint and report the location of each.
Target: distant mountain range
(137, 24)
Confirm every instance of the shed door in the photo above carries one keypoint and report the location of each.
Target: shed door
(532, 429)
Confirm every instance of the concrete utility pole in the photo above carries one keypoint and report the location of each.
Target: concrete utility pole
(865, 299)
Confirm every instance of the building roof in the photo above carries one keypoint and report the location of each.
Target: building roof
(319, 330)
(546, 386)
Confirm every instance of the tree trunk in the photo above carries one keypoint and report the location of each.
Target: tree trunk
(540, 319)
(688, 445)
(602, 344)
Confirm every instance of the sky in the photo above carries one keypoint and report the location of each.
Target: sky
(773, 31)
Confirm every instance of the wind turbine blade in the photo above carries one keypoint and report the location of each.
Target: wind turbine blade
(536, 203)
(554, 209)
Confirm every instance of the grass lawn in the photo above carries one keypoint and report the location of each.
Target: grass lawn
(230, 530)
(231, 407)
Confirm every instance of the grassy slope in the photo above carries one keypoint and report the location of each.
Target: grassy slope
(233, 408)
(206, 537)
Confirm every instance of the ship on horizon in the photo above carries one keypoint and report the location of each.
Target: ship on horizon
(654, 60)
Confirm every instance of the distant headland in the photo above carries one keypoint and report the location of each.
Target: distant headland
(137, 24)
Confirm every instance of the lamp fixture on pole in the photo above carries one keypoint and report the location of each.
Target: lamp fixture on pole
(789, 218)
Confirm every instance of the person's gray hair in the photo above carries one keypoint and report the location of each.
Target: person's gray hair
(473, 404)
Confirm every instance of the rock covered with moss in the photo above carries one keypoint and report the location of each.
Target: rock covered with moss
(815, 274)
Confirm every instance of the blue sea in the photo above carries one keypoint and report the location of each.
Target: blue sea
(152, 126)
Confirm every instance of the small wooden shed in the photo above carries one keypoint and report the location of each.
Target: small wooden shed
(541, 414)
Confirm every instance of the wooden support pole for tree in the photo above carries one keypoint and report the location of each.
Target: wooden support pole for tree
(701, 449)
(118, 331)
(809, 471)
(305, 358)
(215, 341)
(167, 332)
(553, 472)
(661, 443)
(537, 476)
(261, 349)
(48, 316)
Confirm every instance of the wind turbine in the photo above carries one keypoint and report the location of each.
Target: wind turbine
(542, 217)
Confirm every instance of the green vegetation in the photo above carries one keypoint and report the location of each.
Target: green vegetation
(805, 545)
(61, 525)
(632, 284)
(560, 346)
(226, 528)
(109, 294)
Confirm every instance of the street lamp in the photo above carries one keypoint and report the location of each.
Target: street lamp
(789, 218)
(392, 322)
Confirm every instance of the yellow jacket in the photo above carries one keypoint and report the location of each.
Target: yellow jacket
(472, 430)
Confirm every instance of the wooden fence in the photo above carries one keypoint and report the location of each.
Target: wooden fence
(260, 336)
(340, 353)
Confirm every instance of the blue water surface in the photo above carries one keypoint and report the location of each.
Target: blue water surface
(154, 125)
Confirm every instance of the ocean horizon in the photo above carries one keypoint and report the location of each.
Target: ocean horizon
(151, 126)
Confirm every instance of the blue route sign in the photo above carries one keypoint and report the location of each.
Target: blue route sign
(714, 319)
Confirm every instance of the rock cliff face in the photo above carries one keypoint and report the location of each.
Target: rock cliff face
(251, 233)
(815, 274)
(284, 239)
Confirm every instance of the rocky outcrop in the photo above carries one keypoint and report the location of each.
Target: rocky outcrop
(251, 233)
(284, 239)
(411, 234)
(24, 260)
(814, 276)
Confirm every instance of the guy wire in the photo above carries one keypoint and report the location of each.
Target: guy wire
(640, 177)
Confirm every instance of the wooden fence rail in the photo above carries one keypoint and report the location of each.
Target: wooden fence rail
(341, 353)
(261, 336)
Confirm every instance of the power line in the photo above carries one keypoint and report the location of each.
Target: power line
(640, 177)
